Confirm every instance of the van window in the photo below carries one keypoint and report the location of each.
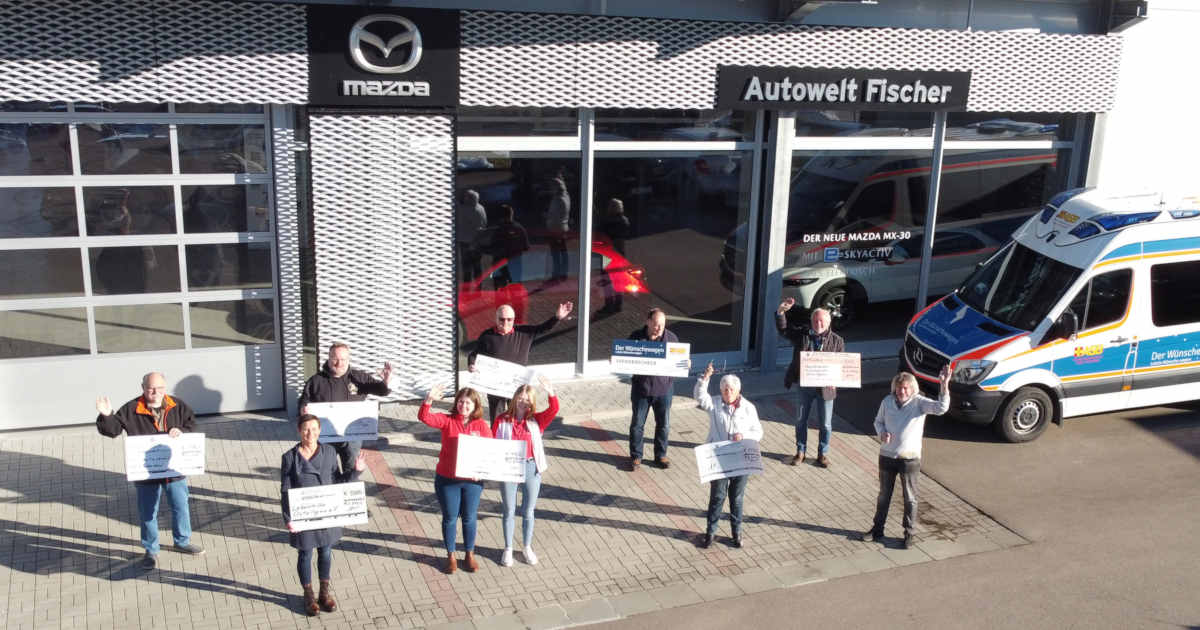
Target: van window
(1175, 293)
(1103, 300)
(873, 206)
(970, 191)
(948, 243)
(1018, 286)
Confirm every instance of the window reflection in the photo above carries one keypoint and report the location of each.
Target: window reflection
(32, 273)
(229, 266)
(232, 323)
(1010, 126)
(126, 270)
(119, 149)
(43, 333)
(139, 327)
(37, 212)
(222, 149)
(34, 149)
(863, 123)
(524, 121)
(129, 210)
(682, 125)
(231, 208)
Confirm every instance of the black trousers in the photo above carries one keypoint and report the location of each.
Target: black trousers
(909, 470)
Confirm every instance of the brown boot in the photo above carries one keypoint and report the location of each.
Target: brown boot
(325, 599)
(451, 564)
(310, 602)
(472, 565)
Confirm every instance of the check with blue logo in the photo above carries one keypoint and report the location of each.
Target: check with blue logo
(650, 358)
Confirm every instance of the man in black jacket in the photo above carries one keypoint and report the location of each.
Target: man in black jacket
(337, 382)
(154, 412)
(819, 337)
(651, 392)
(509, 342)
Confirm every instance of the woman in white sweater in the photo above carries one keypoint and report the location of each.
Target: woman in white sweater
(733, 419)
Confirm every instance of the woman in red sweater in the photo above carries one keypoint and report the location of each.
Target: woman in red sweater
(519, 422)
(456, 495)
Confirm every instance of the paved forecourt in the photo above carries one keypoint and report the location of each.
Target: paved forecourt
(611, 543)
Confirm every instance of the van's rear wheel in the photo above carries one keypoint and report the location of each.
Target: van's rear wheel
(1025, 415)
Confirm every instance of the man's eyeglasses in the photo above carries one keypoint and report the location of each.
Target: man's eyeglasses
(506, 319)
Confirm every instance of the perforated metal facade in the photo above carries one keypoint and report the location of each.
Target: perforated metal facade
(383, 214)
(287, 234)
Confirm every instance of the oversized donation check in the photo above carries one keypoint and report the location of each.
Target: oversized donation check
(651, 358)
(347, 421)
(161, 456)
(718, 460)
(334, 505)
(498, 377)
(487, 458)
(830, 369)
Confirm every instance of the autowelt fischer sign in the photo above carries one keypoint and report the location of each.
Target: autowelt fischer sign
(758, 87)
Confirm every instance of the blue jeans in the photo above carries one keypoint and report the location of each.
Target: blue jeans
(662, 423)
(304, 564)
(529, 495)
(735, 487)
(458, 498)
(808, 395)
(181, 518)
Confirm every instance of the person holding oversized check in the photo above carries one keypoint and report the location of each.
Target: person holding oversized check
(457, 496)
(519, 422)
(154, 412)
(509, 342)
(309, 464)
(648, 392)
(819, 337)
(735, 419)
(337, 382)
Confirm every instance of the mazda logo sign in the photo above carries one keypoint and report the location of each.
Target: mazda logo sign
(360, 35)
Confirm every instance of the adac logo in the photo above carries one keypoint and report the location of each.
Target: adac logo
(362, 34)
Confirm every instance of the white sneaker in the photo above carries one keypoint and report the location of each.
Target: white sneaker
(506, 559)
(530, 557)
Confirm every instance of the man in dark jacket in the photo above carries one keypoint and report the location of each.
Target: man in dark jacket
(818, 337)
(509, 342)
(651, 392)
(154, 412)
(337, 382)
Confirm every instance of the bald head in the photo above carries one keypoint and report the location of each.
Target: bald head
(154, 388)
(506, 317)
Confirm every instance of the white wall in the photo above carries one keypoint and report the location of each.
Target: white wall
(1151, 139)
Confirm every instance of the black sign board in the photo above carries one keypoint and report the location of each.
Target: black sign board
(382, 56)
(761, 87)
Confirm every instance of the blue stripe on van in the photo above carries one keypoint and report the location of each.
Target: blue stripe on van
(1133, 249)
(1171, 245)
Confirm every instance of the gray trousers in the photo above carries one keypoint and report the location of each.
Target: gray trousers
(909, 470)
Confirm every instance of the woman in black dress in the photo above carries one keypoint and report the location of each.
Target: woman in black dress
(308, 464)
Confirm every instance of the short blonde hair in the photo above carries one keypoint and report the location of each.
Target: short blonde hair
(904, 377)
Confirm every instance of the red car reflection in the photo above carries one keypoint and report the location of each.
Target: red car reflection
(525, 282)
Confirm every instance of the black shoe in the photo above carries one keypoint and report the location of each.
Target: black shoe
(736, 541)
(707, 541)
(663, 462)
(149, 561)
(871, 536)
(908, 541)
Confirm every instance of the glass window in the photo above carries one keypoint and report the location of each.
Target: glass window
(140, 269)
(129, 210)
(1010, 126)
(1175, 293)
(666, 235)
(953, 243)
(32, 106)
(1019, 287)
(35, 273)
(681, 125)
(517, 230)
(43, 333)
(518, 121)
(120, 149)
(229, 266)
(120, 107)
(863, 123)
(232, 208)
(139, 327)
(34, 149)
(222, 149)
(37, 212)
(232, 323)
(217, 108)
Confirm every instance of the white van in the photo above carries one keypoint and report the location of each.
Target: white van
(1093, 306)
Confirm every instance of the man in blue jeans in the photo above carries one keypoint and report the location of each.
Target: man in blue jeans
(154, 412)
(651, 392)
(819, 337)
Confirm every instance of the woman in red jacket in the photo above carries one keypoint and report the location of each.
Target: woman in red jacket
(519, 422)
(456, 495)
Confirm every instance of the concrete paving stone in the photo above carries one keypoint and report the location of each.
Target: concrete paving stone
(756, 581)
(1005, 538)
(717, 588)
(905, 557)
(504, 622)
(455, 625)
(590, 611)
(942, 549)
(868, 560)
(676, 596)
(544, 618)
(797, 575)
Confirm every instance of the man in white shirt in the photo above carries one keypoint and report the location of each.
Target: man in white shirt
(734, 419)
(900, 425)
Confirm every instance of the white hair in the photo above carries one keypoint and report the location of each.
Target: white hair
(820, 310)
(731, 380)
(903, 377)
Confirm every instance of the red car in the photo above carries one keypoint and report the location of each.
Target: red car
(525, 282)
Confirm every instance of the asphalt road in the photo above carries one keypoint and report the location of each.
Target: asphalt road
(1111, 503)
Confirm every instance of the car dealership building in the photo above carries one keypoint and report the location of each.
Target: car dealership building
(220, 189)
